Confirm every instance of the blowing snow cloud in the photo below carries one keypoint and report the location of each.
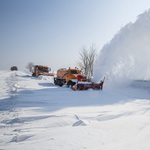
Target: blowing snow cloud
(127, 56)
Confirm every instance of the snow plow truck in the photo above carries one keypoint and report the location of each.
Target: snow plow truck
(41, 70)
(76, 79)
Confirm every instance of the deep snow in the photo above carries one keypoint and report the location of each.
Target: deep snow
(36, 114)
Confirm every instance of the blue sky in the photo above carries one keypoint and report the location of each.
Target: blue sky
(52, 32)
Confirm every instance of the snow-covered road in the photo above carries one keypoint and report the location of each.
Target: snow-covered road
(36, 114)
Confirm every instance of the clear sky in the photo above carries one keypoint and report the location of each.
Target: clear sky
(52, 32)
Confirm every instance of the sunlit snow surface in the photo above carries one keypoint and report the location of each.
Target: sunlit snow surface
(126, 56)
(36, 114)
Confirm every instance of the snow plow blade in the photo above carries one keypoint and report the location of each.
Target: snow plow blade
(89, 85)
(47, 74)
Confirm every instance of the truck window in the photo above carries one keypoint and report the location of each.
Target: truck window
(79, 72)
(42, 69)
(74, 72)
(68, 72)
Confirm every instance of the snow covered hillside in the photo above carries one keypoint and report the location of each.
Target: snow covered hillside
(36, 114)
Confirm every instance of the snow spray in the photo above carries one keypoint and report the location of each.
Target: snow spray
(127, 55)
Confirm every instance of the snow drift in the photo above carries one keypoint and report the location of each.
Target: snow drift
(126, 56)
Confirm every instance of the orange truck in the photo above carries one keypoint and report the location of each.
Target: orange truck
(76, 79)
(41, 70)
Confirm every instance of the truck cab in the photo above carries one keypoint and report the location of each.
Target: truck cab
(72, 74)
(68, 76)
(40, 70)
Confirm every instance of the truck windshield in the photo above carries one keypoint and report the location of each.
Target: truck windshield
(74, 72)
(79, 72)
(43, 69)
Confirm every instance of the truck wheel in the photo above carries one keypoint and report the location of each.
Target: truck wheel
(55, 81)
(33, 74)
(60, 83)
(70, 83)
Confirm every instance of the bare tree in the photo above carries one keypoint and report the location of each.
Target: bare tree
(29, 66)
(83, 63)
(87, 59)
(91, 59)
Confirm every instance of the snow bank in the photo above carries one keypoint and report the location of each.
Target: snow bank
(47, 78)
(145, 85)
(126, 56)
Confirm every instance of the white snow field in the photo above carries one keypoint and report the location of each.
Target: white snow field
(35, 114)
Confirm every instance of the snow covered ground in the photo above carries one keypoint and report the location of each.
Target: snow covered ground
(36, 114)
